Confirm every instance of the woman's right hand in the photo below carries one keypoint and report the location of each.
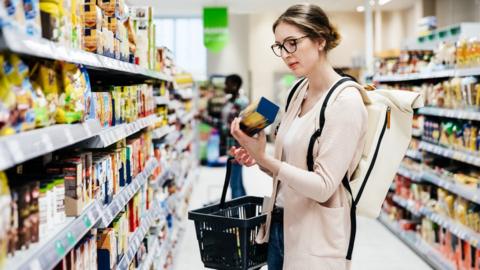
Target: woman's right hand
(242, 157)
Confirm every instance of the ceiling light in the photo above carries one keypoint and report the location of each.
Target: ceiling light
(383, 2)
(360, 9)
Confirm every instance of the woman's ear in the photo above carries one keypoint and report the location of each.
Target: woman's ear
(321, 44)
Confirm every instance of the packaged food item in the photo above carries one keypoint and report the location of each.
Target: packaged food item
(14, 10)
(71, 107)
(32, 17)
(7, 99)
(106, 249)
(51, 19)
(5, 217)
(132, 39)
(108, 7)
(45, 82)
(92, 16)
(257, 116)
(16, 72)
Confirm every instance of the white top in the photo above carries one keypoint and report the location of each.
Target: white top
(291, 141)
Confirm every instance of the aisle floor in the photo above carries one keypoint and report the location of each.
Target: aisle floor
(375, 248)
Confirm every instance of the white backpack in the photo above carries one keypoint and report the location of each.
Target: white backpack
(390, 115)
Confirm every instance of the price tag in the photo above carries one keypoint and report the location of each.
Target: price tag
(59, 248)
(87, 221)
(35, 265)
(71, 239)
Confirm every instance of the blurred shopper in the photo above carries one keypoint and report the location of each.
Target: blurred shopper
(309, 226)
(234, 105)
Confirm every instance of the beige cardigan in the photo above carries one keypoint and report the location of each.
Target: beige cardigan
(316, 207)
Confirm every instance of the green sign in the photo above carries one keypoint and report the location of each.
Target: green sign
(215, 28)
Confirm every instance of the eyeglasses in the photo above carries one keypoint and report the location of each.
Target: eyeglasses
(289, 45)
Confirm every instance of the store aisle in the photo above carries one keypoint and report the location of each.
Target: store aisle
(376, 248)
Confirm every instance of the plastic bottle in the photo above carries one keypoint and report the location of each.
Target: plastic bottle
(213, 147)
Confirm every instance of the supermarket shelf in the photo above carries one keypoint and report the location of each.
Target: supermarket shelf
(187, 117)
(414, 154)
(111, 135)
(24, 146)
(185, 142)
(137, 237)
(48, 254)
(417, 132)
(463, 72)
(469, 193)
(417, 244)
(126, 194)
(415, 76)
(456, 228)
(450, 153)
(451, 113)
(160, 133)
(162, 100)
(409, 205)
(414, 176)
(15, 41)
(173, 137)
(160, 180)
(146, 265)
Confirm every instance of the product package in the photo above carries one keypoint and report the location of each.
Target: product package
(32, 17)
(258, 116)
(71, 107)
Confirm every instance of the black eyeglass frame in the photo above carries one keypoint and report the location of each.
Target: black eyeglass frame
(282, 45)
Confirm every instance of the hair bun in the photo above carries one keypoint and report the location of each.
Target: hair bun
(334, 38)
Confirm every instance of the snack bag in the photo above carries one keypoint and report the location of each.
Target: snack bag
(16, 72)
(7, 99)
(71, 107)
(44, 80)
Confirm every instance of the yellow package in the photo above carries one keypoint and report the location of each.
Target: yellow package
(5, 217)
(7, 99)
(46, 84)
(71, 107)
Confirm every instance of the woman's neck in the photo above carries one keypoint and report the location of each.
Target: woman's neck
(321, 78)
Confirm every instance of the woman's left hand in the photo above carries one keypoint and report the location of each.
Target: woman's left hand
(255, 146)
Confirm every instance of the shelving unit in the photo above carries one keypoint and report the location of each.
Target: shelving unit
(15, 41)
(47, 254)
(417, 245)
(450, 113)
(462, 156)
(24, 146)
(456, 228)
(414, 176)
(136, 239)
(110, 135)
(160, 133)
(414, 154)
(428, 75)
(125, 195)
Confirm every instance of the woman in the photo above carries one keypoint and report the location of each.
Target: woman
(309, 227)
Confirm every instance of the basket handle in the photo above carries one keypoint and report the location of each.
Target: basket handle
(230, 161)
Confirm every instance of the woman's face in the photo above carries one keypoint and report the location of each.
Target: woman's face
(307, 54)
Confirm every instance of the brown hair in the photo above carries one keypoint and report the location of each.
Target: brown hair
(313, 21)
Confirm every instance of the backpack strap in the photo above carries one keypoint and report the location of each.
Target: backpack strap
(292, 92)
(345, 180)
(289, 99)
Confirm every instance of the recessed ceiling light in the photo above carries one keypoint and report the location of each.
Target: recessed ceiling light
(360, 9)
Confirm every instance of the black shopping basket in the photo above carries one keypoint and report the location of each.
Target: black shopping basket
(226, 231)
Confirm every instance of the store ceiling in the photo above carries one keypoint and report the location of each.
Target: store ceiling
(194, 7)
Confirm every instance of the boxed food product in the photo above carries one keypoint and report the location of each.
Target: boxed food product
(45, 82)
(258, 116)
(108, 7)
(92, 16)
(50, 16)
(106, 249)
